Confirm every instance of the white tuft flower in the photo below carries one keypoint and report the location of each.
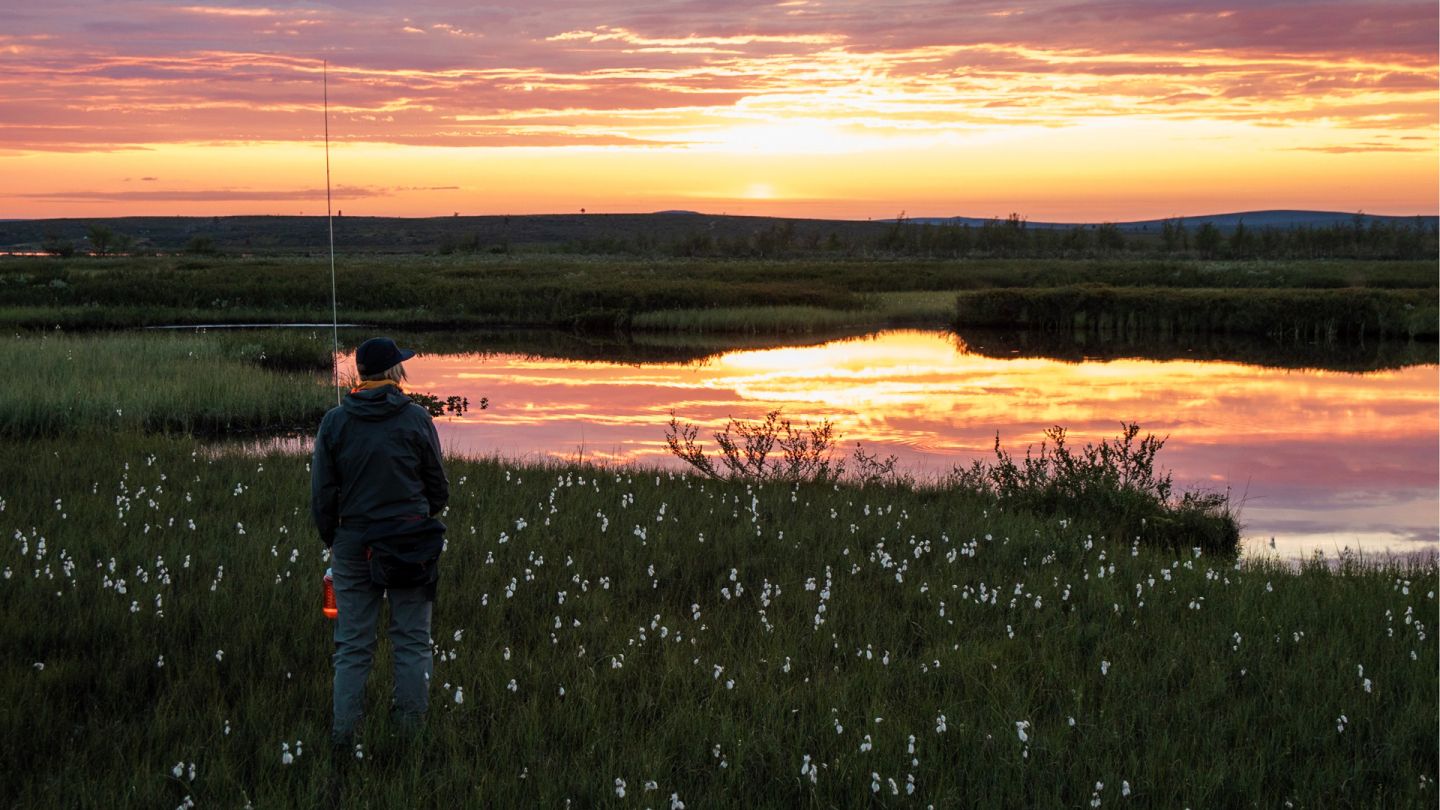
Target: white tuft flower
(808, 769)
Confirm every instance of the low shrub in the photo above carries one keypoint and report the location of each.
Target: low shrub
(1113, 486)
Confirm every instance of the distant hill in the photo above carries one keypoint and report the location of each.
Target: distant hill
(1225, 222)
(679, 232)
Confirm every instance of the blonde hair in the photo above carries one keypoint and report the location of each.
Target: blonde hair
(395, 374)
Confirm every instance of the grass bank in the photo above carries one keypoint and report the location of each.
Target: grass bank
(88, 384)
(730, 645)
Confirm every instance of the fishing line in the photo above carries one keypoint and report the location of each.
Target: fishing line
(330, 221)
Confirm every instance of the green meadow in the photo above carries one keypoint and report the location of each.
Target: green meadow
(633, 637)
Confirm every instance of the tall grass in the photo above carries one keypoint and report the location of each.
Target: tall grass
(285, 349)
(774, 645)
(914, 307)
(750, 320)
(64, 384)
(876, 311)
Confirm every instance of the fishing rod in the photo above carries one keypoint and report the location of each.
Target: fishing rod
(330, 222)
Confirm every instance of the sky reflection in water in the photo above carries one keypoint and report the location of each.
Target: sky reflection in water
(1316, 459)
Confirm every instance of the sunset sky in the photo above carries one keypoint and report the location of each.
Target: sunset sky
(1066, 110)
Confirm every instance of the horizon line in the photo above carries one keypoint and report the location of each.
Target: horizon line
(692, 212)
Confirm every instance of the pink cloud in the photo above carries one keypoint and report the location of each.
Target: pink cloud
(92, 75)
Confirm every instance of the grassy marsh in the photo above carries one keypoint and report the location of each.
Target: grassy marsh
(771, 645)
(608, 293)
(160, 605)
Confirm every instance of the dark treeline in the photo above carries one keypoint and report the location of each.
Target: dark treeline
(687, 235)
(1012, 238)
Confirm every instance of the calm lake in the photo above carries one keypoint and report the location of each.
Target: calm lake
(1314, 459)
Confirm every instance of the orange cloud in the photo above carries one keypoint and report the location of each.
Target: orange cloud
(878, 79)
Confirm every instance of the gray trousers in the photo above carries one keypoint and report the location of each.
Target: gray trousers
(359, 604)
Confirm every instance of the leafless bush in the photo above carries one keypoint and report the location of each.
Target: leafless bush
(774, 449)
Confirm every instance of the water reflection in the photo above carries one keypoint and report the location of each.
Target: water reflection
(1372, 355)
(1316, 458)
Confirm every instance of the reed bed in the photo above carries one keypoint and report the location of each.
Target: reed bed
(634, 638)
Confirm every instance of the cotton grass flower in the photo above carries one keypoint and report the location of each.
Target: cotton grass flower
(807, 768)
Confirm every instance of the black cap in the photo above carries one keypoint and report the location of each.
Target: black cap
(377, 355)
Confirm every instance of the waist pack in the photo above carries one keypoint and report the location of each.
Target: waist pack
(405, 553)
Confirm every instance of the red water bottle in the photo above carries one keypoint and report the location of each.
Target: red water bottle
(330, 610)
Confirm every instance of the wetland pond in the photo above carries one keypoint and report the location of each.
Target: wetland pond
(1315, 459)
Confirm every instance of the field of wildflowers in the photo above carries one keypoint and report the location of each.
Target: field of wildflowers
(632, 638)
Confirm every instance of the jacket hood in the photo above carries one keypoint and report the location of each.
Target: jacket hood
(375, 404)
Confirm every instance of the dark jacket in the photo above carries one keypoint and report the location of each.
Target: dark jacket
(377, 458)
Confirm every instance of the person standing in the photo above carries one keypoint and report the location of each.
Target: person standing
(377, 483)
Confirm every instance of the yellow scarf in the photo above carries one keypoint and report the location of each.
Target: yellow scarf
(366, 385)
